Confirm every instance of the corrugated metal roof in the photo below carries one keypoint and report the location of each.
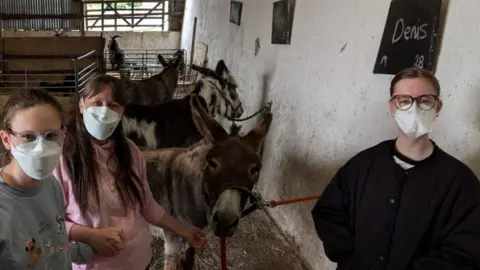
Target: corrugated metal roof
(41, 7)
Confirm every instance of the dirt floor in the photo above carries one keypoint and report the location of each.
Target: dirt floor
(257, 245)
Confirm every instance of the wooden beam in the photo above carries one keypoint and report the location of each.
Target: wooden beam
(98, 19)
(120, 1)
(136, 16)
(120, 10)
(103, 15)
(119, 16)
(113, 26)
(116, 20)
(132, 13)
(82, 23)
(149, 12)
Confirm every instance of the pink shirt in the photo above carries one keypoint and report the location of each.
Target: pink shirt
(137, 251)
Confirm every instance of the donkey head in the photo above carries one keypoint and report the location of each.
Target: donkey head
(230, 168)
(175, 62)
(170, 70)
(220, 83)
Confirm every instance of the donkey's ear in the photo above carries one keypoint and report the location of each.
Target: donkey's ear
(162, 60)
(179, 52)
(178, 58)
(206, 125)
(257, 135)
(221, 70)
(204, 71)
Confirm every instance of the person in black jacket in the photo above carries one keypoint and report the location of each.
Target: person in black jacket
(403, 204)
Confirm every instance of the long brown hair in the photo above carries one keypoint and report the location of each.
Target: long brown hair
(78, 152)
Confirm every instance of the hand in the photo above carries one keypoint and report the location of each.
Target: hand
(196, 237)
(106, 242)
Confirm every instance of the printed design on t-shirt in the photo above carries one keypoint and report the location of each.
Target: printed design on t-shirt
(49, 248)
(33, 252)
(61, 228)
(55, 239)
(62, 247)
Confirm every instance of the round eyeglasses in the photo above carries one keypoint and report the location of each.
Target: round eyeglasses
(405, 102)
(30, 136)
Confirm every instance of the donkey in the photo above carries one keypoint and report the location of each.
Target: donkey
(170, 124)
(116, 54)
(222, 86)
(158, 88)
(206, 184)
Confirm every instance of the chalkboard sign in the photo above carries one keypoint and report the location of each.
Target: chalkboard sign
(410, 35)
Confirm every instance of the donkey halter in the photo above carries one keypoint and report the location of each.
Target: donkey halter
(266, 108)
(254, 198)
(225, 98)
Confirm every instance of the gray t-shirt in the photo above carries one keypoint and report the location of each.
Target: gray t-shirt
(32, 229)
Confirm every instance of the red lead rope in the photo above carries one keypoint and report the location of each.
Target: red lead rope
(223, 253)
(295, 200)
(271, 204)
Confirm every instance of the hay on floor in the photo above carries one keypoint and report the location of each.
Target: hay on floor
(257, 245)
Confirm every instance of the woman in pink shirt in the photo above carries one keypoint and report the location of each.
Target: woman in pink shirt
(103, 174)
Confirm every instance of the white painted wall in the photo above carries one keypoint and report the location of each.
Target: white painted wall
(131, 40)
(327, 104)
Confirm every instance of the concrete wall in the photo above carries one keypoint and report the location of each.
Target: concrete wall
(327, 104)
(130, 40)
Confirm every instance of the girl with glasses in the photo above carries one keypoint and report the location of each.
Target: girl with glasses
(32, 209)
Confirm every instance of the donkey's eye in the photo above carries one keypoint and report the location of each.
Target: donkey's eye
(212, 164)
(254, 171)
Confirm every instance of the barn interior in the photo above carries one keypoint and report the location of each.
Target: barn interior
(315, 68)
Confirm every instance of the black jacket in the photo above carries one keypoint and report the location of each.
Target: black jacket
(375, 215)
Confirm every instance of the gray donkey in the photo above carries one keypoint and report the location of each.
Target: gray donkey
(158, 88)
(206, 184)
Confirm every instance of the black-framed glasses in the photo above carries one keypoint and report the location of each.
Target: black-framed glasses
(405, 102)
(30, 136)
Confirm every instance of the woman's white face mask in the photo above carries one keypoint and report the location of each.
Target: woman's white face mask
(100, 122)
(415, 122)
(37, 158)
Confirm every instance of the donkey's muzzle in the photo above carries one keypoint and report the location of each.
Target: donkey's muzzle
(224, 224)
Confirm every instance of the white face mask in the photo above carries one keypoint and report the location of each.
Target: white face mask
(38, 158)
(100, 121)
(415, 122)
